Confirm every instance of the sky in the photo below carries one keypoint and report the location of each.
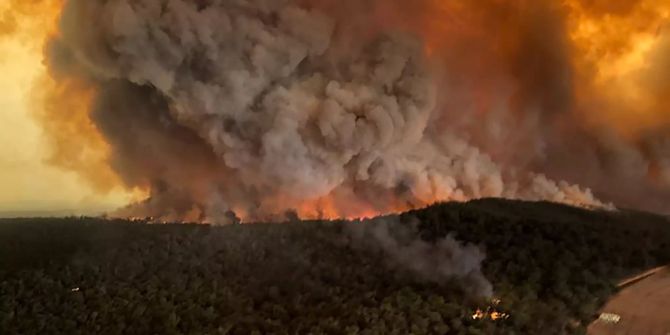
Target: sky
(28, 184)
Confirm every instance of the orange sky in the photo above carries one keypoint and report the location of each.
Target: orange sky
(27, 183)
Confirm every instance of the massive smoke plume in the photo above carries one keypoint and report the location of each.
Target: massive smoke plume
(350, 108)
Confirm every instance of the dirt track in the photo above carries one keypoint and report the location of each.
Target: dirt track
(644, 308)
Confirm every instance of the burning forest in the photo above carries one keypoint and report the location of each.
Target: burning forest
(252, 109)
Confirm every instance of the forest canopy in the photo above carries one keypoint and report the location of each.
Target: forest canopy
(551, 268)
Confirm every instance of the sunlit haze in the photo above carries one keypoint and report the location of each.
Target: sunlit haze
(28, 184)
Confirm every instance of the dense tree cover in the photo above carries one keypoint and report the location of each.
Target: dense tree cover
(552, 267)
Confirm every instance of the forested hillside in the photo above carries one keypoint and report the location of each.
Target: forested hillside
(551, 268)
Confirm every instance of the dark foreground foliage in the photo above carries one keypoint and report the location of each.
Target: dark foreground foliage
(552, 267)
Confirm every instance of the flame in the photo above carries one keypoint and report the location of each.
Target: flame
(478, 315)
(331, 207)
(490, 312)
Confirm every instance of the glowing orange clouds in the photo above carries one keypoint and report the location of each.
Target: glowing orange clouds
(27, 159)
(620, 52)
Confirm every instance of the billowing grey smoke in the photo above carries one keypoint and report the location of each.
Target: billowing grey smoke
(438, 262)
(260, 106)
